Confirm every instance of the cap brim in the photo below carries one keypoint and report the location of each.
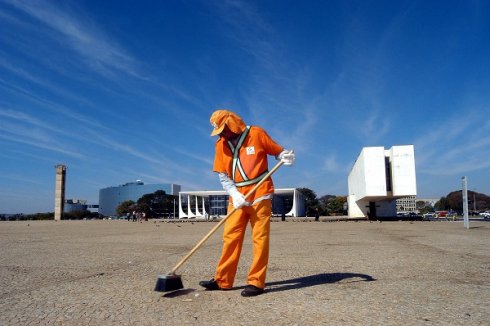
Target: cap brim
(218, 131)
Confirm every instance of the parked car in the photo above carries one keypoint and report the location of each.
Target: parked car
(452, 214)
(441, 214)
(485, 215)
(427, 216)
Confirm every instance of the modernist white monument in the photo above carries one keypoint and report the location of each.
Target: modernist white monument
(378, 178)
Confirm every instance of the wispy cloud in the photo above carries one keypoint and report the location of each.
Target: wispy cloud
(84, 37)
(18, 154)
(208, 161)
(153, 158)
(331, 164)
(96, 50)
(19, 200)
(275, 97)
(374, 128)
(43, 82)
(247, 29)
(454, 146)
(35, 139)
(123, 147)
(49, 105)
(24, 128)
(21, 179)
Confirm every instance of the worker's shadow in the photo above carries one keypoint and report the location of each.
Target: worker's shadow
(318, 279)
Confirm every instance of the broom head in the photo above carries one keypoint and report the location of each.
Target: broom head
(167, 283)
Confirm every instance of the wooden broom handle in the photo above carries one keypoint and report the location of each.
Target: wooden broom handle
(216, 227)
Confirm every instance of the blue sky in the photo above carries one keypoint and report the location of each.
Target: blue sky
(123, 90)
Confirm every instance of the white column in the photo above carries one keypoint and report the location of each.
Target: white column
(181, 211)
(204, 213)
(190, 214)
(198, 214)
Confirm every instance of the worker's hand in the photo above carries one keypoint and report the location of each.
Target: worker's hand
(287, 157)
(238, 199)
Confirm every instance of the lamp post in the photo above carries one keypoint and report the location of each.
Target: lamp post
(174, 209)
(465, 202)
(474, 200)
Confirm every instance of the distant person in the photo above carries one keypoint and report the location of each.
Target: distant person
(240, 160)
(317, 215)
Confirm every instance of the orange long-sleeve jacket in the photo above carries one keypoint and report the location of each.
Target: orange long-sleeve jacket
(246, 163)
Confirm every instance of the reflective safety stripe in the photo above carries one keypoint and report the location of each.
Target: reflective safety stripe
(252, 181)
(237, 165)
(236, 159)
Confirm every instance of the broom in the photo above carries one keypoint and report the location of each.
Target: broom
(172, 281)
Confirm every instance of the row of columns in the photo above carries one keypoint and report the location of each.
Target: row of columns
(199, 212)
(199, 209)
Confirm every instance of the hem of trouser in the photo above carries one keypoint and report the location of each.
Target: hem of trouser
(257, 284)
(223, 287)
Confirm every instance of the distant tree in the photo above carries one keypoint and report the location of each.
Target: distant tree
(162, 203)
(311, 201)
(156, 204)
(454, 201)
(442, 204)
(144, 204)
(476, 201)
(79, 215)
(335, 205)
(423, 207)
(324, 202)
(420, 204)
(40, 216)
(125, 207)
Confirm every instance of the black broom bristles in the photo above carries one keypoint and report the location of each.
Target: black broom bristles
(167, 283)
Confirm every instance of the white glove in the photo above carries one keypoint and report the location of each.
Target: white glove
(238, 198)
(287, 157)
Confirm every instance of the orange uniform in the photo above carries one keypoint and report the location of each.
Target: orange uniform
(246, 163)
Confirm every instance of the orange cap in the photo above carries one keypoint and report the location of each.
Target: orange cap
(221, 118)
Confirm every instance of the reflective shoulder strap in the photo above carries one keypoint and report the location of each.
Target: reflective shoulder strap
(236, 151)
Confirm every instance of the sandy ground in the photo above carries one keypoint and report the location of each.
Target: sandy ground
(320, 273)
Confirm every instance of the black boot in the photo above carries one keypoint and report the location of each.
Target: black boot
(252, 291)
(210, 285)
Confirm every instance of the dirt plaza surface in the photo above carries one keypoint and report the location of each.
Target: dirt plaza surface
(320, 273)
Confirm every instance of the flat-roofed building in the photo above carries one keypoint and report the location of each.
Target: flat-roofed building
(378, 178)
(110, 198)
(406, 204)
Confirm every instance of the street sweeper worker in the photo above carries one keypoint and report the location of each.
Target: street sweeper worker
(241, 153)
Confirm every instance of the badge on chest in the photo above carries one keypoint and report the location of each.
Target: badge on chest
(250, 150)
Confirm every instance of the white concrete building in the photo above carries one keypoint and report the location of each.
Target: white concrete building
(378, 178)
(208, 204)
(406, 205)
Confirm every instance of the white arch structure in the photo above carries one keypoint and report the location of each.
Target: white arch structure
(199, 197)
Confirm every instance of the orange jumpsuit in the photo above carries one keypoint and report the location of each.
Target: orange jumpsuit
(245, 164)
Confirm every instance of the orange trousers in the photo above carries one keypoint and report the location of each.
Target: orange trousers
(234, 231)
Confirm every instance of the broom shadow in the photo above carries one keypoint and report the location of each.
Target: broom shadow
(318, 279)
(178, 293)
